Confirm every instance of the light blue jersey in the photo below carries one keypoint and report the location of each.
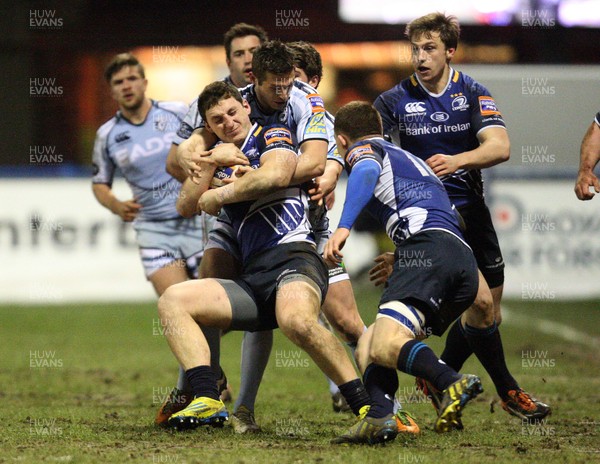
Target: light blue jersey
(140, 152)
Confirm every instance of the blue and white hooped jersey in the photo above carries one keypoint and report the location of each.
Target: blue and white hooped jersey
(140, 152)
(304, 114)
(408, 197)
(426, 124)
(277, 218)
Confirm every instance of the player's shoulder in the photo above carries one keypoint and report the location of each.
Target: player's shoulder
(275, 134)
(469, 84)
(105, 129)
(371, 148)
(179, 108)
(396, 92)
(303, 88)
(247, 91)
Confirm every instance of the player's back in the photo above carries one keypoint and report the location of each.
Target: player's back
(408, 197)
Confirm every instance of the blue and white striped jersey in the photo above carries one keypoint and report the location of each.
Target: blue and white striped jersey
(140, 152)
(277, 218)
(304, 114)
(426, 124)
(407, 197)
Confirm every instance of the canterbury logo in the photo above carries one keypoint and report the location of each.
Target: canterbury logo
(415, 107)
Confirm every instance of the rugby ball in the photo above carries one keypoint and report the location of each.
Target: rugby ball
(222, 173)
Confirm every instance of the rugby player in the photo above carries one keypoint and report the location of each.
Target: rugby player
(283, 279)
(239, 43)
(452, 122)
(423, 295)
(275, 97)
(171, 247)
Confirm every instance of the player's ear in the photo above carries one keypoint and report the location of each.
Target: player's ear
(314, 81)
(450, 53)
(246, 106)
(342, 142)
(253, 78)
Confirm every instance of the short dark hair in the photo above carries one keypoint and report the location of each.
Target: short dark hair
(214, 93)
(446, 26)
(119, 62)
(307, 58)
(358, 119)
(273, 57)
(242, 30)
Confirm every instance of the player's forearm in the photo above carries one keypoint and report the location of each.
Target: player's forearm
(105, 196)
(488, 154)
(190, 193)
(172, 166)
(311, 162)
(590, 149)
(254, 185)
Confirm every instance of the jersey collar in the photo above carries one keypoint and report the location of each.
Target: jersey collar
(452, 77)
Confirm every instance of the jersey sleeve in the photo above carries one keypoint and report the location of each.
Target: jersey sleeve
(385, 104)
(332, 149)
(484, 111)
(597, 119)
(275, 137)
(363, 152)
(191, 122)
(365, 164)
(309, 115)
(104, 167)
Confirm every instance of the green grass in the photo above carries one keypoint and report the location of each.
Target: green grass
(82, 383)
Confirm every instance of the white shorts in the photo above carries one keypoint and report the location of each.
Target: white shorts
(163, 242)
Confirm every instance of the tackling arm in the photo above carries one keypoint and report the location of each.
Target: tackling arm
(275, 172)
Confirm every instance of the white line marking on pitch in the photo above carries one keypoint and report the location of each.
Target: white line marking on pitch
(550, 328)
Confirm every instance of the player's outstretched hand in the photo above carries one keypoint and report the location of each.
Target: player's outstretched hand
(585, 180)
(380, 273)
(333, 247)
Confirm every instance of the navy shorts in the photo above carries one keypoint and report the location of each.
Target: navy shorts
(253, 294)
(481, 237)
(435, 272)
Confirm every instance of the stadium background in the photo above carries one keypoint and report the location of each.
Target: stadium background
(65, 247)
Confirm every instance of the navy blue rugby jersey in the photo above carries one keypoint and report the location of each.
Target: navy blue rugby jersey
(407, 197)
(281, 216)
(304, 114)
(447, 123)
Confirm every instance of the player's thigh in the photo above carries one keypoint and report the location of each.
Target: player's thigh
(297, 303)
(217, 263)
(171, 274)
(205, 300)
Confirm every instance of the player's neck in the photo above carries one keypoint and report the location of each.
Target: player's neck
(137, 115)
(437, 85)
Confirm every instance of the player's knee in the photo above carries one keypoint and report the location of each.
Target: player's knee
(481, 311)
(297, 328)
(170, 302)
(381, 353)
